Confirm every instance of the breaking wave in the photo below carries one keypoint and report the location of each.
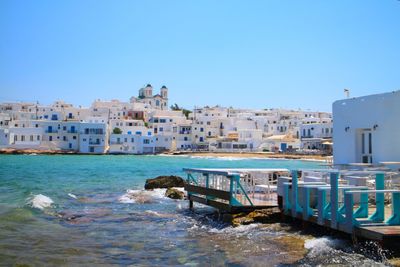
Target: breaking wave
(40, 201)
(143, 196)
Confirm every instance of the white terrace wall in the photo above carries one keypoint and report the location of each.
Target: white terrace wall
(378, 113)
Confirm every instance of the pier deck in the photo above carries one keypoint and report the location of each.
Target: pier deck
(358, 210)
(233, 190)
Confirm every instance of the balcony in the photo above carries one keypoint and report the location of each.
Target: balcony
(116, 143)
(51, 131)
(94, 143)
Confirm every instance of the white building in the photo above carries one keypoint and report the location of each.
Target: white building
(93, 138)
(134, 137)
(366, 129)
(316, 134)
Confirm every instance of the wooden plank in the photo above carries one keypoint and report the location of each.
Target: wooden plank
(215, 204)
(208, 192)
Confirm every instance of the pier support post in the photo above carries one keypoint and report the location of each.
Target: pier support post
(379, 215)
(395, 218)
(296, 208)
(321, 206)
(191, 204)
(334, 200)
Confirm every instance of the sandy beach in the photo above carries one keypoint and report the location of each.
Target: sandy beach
(250, 155)
(255, 155)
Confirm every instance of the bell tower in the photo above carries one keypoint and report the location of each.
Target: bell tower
(164, 92)
(148, 91)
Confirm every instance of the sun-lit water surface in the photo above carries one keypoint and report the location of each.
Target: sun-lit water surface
(89, 221)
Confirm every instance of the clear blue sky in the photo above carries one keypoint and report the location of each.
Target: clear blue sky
(255, 54)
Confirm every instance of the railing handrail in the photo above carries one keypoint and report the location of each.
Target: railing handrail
(372, 191)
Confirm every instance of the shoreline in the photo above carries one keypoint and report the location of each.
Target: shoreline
(253, 155)
(249, 155)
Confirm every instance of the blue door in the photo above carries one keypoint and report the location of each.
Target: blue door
(283, 147)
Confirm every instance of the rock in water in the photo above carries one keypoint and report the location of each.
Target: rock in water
(258, 216)
(164, 182)
(174, 193)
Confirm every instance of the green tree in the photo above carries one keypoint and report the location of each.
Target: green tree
(117, 130)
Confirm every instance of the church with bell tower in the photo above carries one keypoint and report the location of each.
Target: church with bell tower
(157, 101)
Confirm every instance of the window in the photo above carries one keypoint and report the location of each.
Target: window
(370, 143)
(125, 140)
(31, 138)
(22, 138)
(363, 143)
(132, 140)
(146, 141)
(64, 128)
(50, 138)
(38, 138)
(74, 137)
(64, 138)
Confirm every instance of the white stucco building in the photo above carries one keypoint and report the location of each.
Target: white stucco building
(366, 129)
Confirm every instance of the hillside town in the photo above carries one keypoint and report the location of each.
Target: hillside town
(148, 125)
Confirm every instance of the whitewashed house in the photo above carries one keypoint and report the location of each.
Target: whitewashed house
(366, 129)
(316, 134)
(134, 137)
(93, 138)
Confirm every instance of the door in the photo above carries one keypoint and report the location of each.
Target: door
(366, 146)
(283, 147)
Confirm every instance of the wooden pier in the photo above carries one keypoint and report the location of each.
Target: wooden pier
(364, 204)
(355, 209)
(234, 190)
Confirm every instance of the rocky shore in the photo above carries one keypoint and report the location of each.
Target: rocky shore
(173, 184)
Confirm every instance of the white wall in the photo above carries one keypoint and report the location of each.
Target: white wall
(382, 110)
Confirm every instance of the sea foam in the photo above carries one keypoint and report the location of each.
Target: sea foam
(40, 202)
(143, 196)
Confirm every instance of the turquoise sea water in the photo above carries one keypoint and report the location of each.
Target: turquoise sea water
(93, 222)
